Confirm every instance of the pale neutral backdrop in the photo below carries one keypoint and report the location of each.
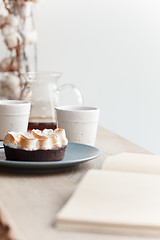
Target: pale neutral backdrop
(111, 50)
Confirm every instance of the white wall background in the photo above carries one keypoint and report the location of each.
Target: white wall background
(111, 50)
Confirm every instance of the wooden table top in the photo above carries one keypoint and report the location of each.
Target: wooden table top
(33, 200)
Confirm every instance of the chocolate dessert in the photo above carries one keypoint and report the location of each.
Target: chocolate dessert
(36, 145)
(41, 125)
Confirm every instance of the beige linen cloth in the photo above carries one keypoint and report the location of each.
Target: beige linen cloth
(37, 198)
(8, 229)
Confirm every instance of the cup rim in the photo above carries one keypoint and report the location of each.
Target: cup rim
(13, 102)
(77, 108)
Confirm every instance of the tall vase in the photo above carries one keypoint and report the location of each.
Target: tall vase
(18, 45)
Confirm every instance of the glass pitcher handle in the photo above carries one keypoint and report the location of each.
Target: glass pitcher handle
(75, 90)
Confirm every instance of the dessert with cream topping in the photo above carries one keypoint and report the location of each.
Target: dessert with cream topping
(36, 145)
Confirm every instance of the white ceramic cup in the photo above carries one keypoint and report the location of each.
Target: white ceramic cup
(14, 115)
(79, 122)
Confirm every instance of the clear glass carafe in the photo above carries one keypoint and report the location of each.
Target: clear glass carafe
(44, 92)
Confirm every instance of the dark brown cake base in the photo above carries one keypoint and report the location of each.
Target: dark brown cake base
(14, 154)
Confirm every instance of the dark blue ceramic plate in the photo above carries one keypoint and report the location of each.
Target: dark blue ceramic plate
(75, 154)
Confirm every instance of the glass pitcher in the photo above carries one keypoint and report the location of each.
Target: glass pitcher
(44, 94)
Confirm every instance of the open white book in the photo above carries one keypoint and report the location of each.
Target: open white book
(122, 198)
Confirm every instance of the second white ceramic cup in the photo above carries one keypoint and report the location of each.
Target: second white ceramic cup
(14, 116)
(79, 122)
